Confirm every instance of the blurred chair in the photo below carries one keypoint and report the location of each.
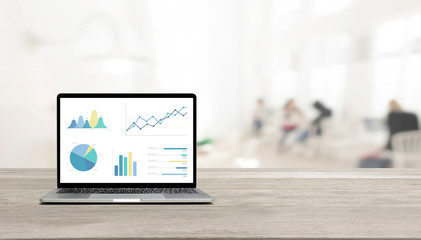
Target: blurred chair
(407, 149)
(400, 122)
(402, 141)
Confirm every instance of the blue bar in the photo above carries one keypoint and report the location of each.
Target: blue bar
(184, 155)
(115, 170)
(134, 169)
(174, 174)
(175, 148)
(125, 166)
(120, 165)
(181, 168)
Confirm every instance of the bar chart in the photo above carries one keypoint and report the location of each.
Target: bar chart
(126, 166)
(167, 161)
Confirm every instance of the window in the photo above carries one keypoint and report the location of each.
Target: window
(390, 38)
(397, 68)
(283, 13)
(283, 85)
(327, 85)
(283, 8)
(328, 71)
(327, 7)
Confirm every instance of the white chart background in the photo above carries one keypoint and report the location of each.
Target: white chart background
(109, 143)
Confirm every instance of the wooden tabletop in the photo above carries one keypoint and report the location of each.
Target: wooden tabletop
(249, 203)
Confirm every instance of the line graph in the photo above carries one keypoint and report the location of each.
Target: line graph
(142, 123)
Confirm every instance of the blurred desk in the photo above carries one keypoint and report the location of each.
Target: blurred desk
(250, 203)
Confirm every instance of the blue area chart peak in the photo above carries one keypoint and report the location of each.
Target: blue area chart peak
(94, 122)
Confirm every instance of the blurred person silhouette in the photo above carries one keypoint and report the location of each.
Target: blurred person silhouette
(323, 113)
(258, 117)
(397, 121)
(316, 125)
(291, 120)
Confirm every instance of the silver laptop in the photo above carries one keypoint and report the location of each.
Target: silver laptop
(126, 148)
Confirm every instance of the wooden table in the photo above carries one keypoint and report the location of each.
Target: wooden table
(250, 203)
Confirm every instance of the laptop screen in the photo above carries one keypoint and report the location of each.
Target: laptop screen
(134, 139)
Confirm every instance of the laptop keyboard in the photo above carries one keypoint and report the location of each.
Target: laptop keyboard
(128, 190)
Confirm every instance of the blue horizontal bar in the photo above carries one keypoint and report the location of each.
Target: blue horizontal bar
(184, 155)
(181, 168)
(175, 148)
(174, 174)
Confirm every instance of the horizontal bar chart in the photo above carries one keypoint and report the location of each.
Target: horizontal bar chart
(167, 161)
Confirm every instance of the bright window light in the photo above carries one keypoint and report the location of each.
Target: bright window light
(283, 14)
(327, 7)
(285, 7)
(414, 33)
(386, 84)
(283, 86)
(412, 84)
(117, 66)
(327, 58)
(328, 85)
(390, 37)
(328, 51)
(397, 48)
(336, 48)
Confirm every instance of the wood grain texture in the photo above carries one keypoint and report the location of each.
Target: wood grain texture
(250, 203)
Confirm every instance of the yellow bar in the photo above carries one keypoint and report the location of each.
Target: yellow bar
(130, 164)
(177, 161)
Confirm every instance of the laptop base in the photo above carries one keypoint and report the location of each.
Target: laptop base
(55, 197)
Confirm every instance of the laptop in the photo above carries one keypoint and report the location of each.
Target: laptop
(126, 148)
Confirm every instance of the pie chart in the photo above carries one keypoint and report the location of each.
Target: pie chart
(83, 157)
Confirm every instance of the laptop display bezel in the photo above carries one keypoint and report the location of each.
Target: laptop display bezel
(126, 95)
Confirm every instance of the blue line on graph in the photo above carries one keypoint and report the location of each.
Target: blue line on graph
(158, 121)
(174, 174)
(181, 168)
(175, 148)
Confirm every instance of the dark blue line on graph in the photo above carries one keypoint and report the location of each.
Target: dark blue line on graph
(158, 121)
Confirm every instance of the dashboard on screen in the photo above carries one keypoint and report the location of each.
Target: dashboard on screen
(126, 140)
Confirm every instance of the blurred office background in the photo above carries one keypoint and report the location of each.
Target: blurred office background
(353, 56)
